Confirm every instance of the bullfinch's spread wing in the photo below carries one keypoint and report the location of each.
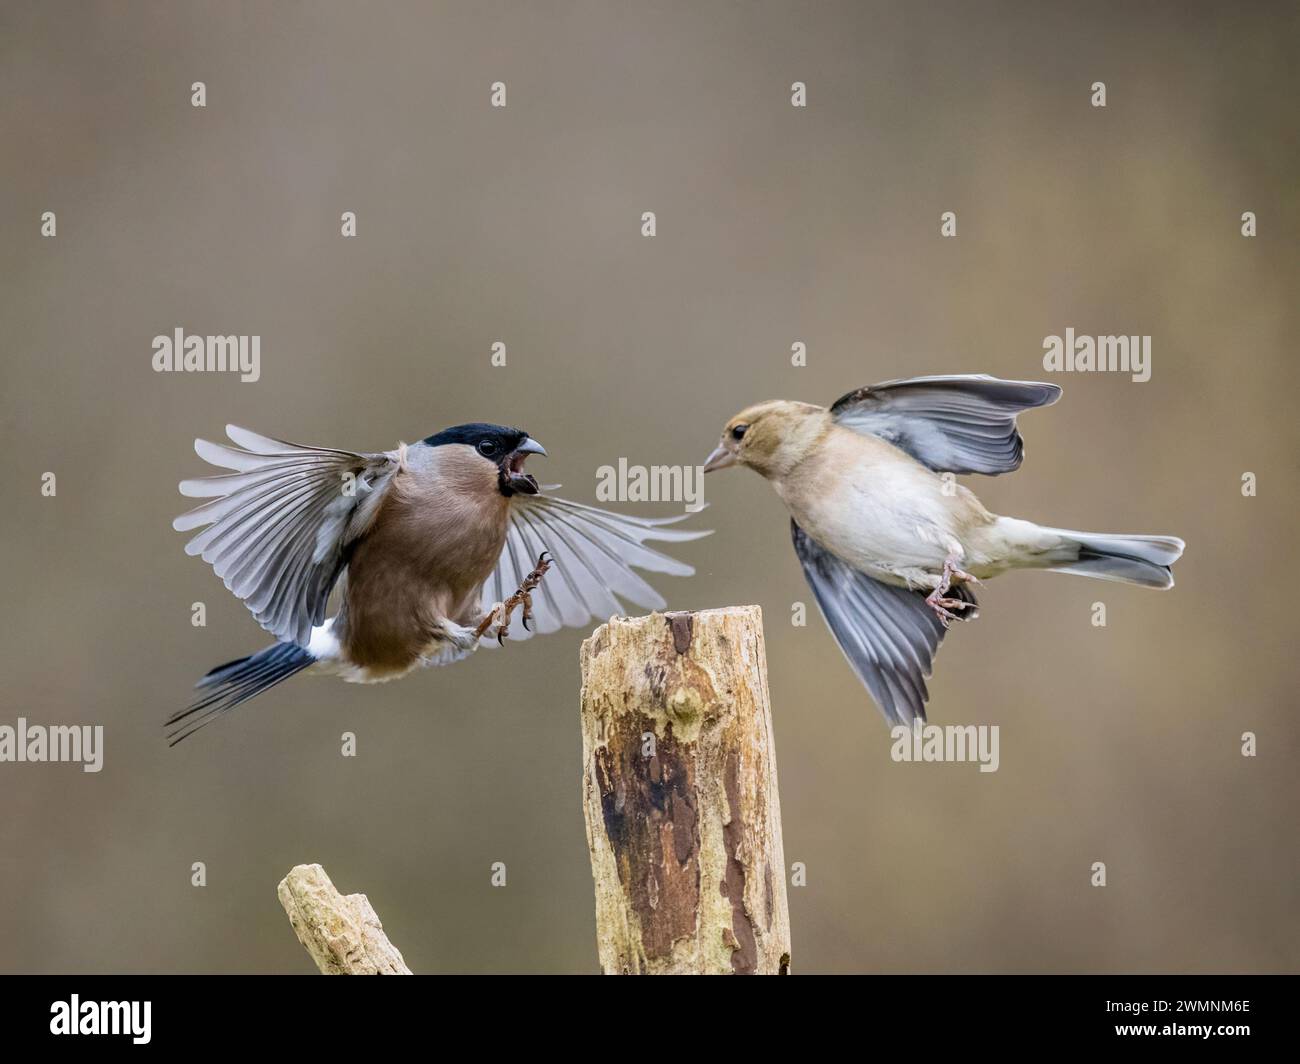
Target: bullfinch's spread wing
(888, 633)
(276, 527)
(595, 554)
(955, 424)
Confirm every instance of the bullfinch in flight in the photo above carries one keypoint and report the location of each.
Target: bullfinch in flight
(436, 544)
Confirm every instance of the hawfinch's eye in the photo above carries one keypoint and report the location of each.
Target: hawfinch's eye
(738, 431)
(487, 448)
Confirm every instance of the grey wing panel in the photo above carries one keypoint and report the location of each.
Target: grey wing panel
(888, 634)
(957, 424)
(275, 529)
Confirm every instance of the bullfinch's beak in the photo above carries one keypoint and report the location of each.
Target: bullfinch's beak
(721, 458)
(513, 476)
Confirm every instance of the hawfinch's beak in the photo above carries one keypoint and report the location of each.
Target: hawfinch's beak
(531, 446)
(721, 458)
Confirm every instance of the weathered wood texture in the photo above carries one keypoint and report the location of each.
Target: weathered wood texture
(679, 789)
(342, 934)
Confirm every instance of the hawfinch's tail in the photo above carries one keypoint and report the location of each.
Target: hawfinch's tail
(1143, 560)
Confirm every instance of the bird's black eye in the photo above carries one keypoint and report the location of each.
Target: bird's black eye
(487, 448)
(738, 431)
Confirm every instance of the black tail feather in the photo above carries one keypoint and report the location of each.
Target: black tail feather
(228, 685)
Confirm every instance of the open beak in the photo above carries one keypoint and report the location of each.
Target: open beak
(513, 470)
(721, 458)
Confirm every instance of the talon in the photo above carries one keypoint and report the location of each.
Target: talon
(943, 606)
(522, 597)
(938, 601)
(945, 618)
(533, 579)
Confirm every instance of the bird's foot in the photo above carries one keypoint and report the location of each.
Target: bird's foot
(951, 573)
(944, 607)
(499, 615)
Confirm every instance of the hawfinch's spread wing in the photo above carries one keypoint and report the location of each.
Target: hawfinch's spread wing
(957, 424)
(276, 527)
(596, 555)
(889, 634)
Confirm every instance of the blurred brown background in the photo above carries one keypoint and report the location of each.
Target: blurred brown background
(1119, 744)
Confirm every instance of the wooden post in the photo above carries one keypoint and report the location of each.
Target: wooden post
(343, 935)
(679, 790)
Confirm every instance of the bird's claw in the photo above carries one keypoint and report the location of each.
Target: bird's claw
(531, 581)
(523, 596)
(942, 605)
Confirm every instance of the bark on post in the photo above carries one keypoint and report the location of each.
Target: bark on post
(679, 790)
(342, 934)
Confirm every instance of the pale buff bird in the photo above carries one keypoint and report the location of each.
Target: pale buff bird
(888, 544)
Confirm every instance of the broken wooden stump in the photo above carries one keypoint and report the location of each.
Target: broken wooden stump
(680, 794)
(342, 934)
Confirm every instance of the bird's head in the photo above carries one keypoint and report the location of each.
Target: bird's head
(770, 438)
(505, 448)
